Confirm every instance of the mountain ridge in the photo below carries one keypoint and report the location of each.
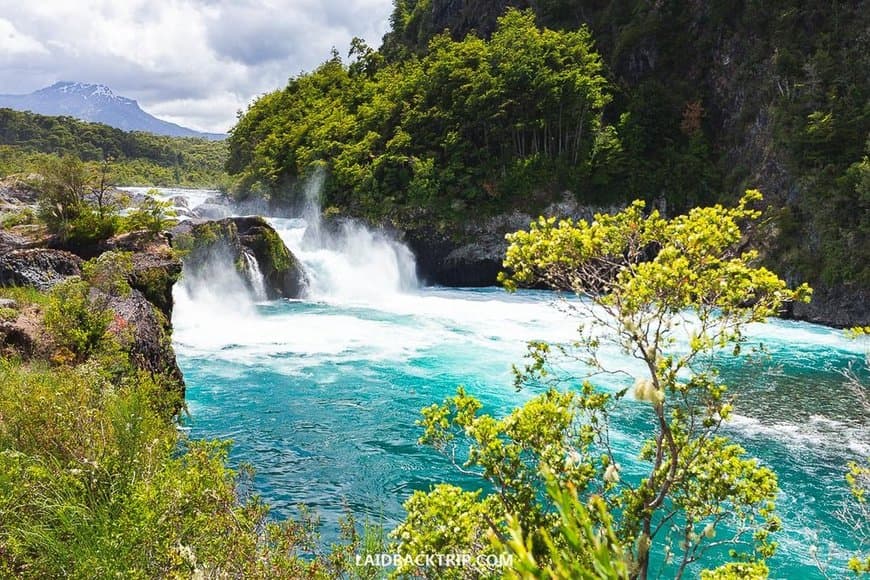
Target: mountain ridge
(99, 104)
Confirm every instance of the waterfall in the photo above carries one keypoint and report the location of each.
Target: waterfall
(254, 275)
(346, 261)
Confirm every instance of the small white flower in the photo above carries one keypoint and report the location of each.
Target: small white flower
(710, 530)
(611, 474)
(643, 389)
(573, 459)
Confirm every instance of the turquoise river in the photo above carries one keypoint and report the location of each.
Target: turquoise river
(321, 395)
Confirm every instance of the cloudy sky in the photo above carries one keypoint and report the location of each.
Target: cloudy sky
(193, 62)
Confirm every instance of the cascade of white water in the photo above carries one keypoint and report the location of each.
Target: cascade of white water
(347, 262)
(254, 275)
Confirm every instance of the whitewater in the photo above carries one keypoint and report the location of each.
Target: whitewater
(321, 394)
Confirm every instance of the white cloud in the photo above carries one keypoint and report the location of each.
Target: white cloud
(194, 62)
(13, 43)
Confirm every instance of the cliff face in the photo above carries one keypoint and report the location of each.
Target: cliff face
(472, 254)
(735, 95)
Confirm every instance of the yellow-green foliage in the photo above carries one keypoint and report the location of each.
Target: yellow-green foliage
(583, 546)
(65, 193)
(17, 218)
(24, 295)
(446, 520)
(110, 272)
(639, 276)
(152, 215)
(737, 571)
(96, 482)
(76, 322)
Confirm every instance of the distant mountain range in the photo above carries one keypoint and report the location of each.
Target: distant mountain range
(98, 104)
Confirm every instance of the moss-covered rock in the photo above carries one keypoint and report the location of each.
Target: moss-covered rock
(282, 272)
(156, 266)
(229, 240)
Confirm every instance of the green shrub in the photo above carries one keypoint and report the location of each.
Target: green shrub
(24, 295)
(76, 320)
(152, 215)
(94, 483)
(110, 272)
(17, 218)
(63, 202)
(89, 227)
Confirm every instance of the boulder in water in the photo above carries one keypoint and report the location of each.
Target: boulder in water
(230, 239)
(179, 201)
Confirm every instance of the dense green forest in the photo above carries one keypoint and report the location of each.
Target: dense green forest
(26, 139)
(468, 106)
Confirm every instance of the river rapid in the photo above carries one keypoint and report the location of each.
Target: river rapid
(321, 394)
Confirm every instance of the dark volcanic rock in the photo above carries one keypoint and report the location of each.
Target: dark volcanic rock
(228, 240)
(40, 268)
(147, 334)
(15, 193)
(156, 268)
(10, 241)
(282, 272)
(211, 211)
(443, 259)
(472, 254)
(837, 306)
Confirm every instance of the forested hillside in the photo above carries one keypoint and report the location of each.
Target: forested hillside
(469, 110)
(138, 158)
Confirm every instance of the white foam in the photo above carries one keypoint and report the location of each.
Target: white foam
(817, 432)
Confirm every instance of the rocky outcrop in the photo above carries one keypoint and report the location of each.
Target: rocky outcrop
(10, 241)
(156, 268)
(230, 240)
(39, 268)
(141, 316)
(452, 259)
(212, 211)
(16, 193)
(282, 271)
(837, 306)
(146, 334)
(472, 254)
(20, 333)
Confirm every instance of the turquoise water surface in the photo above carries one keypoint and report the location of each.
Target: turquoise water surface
(321, 395)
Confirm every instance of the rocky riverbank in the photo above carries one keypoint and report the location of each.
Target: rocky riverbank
(149, 266)
(471, 255)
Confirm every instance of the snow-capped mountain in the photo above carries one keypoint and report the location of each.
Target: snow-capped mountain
(96, 103)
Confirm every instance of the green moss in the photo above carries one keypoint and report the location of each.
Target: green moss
(7, 314)
(281, 258)
(156, 285)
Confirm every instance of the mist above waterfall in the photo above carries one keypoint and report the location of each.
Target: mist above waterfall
(345, 260)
